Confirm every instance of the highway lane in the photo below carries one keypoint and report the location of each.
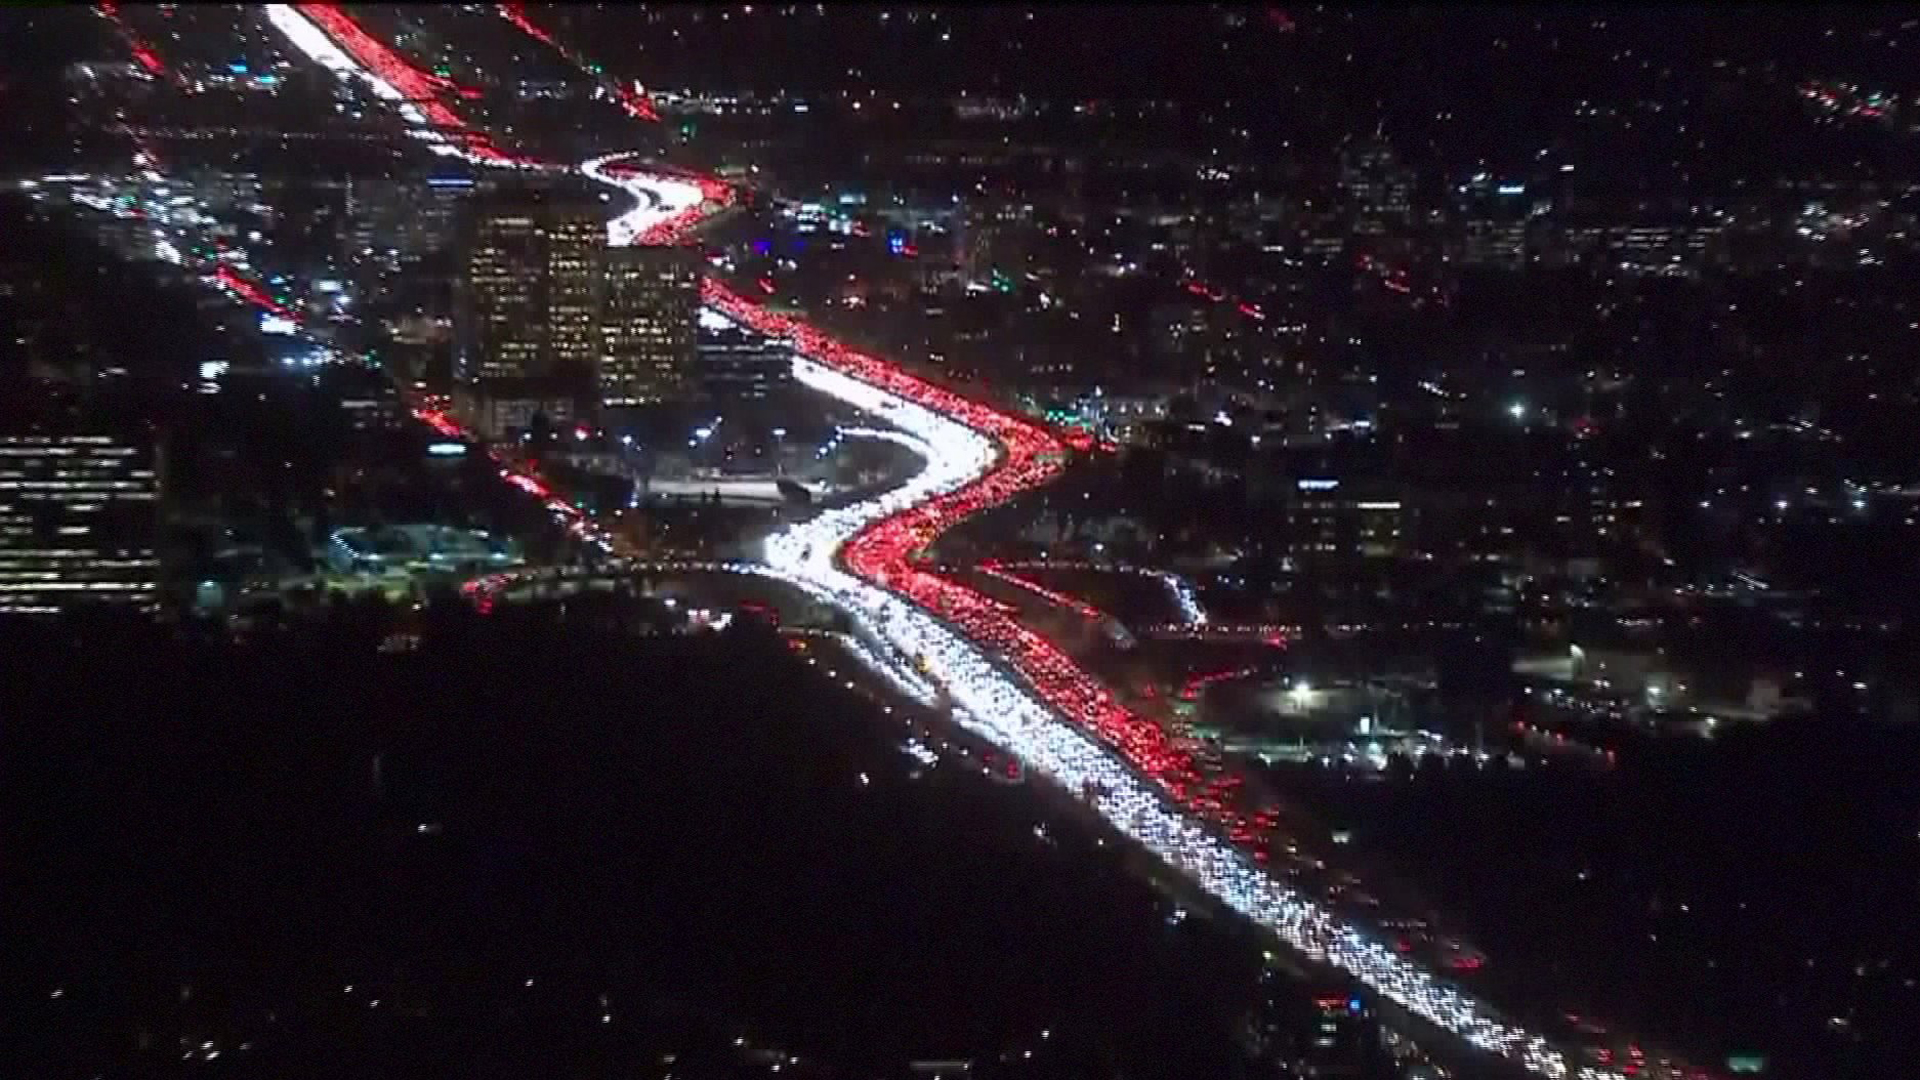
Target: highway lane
(863, 558)
(656, 202)
(1012, 713)
(990, 703)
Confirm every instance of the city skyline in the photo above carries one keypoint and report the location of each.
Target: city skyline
(1431, 535)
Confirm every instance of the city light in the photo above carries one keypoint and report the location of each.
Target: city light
(939, 640)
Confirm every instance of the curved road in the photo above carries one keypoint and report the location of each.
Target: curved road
(938, 634)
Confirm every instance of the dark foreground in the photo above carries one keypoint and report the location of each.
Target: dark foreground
(534, 848)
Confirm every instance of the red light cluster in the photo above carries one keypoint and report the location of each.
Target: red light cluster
(1191, 691)
(636, 104)
(148, 60)
(887, 553)
(252, 293)
(1058, 599)
(715, 195)
(517, 15)
(441, 423)
(1208, 292)
(420, 88)
(142, 53)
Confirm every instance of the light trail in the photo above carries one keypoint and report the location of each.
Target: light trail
(1199, 683)
(143, 53)
(252, 293)
(864, 559)
(1077, 606)
(327, 36)
(634, 101)
(1185, 597)
(658, 206)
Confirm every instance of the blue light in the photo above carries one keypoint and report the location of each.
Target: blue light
(237, 69)
(763, 247)
(1354, 1006)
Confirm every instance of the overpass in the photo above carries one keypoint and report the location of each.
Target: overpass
(1180, 590)
(1237, 633)
(751, 491)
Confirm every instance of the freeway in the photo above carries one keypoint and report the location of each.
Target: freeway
(657, 203)
(1019, 691)
(941, 641)
(325, 34)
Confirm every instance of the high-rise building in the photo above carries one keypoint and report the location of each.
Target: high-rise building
(526, 297)
(576, 244)
(649, 299)
(390, 221)
(527, 306)
(739, 367)
(1375, 185)
(78, 520)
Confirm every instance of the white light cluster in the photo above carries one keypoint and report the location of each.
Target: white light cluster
(319, 48)
(1184, 596)
(992, 702)
(656, 198)
(312, 41)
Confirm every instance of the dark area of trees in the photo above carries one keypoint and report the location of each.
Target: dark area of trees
(1739, 893)
(211, 843)
(73, 302)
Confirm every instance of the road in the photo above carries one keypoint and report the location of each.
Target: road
(941, 641)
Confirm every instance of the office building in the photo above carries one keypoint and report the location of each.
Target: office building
(1375, 185)
(1326, 519)
(79, 513)
(649, 299)
(738, 367)
(390, 221)
(504, 408)
(527, 294)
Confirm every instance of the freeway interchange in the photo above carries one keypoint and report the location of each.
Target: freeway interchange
(933, 638)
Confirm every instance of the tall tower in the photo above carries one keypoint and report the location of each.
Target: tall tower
(1377, 187)
(649, 301)
(576, 241)
(527, 287)
(79, 517)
